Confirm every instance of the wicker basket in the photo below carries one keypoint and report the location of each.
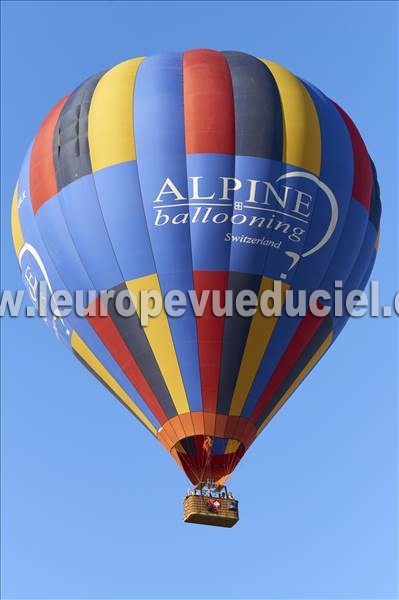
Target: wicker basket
(200, 509)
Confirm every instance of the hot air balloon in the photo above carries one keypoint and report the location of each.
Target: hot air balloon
(201, 170)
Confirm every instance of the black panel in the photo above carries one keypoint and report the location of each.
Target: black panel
(235, 336)
(135, 339)
(71, 145)
(257, 105)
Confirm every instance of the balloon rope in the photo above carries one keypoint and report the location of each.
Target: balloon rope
(183, 457)
(207, 449)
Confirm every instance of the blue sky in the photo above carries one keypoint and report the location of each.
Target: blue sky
(92, 504)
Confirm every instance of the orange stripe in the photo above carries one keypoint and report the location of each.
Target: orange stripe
(198, 423)
(42, 177)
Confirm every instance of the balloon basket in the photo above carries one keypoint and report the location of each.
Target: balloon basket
(218, 510)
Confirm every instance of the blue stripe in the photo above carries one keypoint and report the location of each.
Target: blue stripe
(160, 146)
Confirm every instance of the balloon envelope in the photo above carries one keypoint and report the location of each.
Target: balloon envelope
(200, 170)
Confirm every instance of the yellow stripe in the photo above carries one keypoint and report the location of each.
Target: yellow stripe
(16, 230)
(259, 335)
(302, 140)
(160, 339)
(232, 446)
(87, 355)
(110, 123)
(315, 359)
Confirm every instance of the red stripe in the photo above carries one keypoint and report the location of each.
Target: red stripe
(208, 103)
(42, 178)
(111, 338)
(362, 176)
(210, 335)
(305, 332)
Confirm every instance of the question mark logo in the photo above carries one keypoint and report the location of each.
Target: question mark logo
(295, 258)
(333, 219)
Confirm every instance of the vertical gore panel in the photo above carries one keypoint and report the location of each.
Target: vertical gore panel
(362, 176)
(257, 107)
(260, 332)
(160, 340)
(42, 177)
(302, 141)
(111, 128)
(210, 336)
(136, 341)
(235, 335)
(70, 144)
(208, 103)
